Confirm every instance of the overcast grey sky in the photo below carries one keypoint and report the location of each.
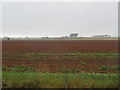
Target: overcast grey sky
(59, 18)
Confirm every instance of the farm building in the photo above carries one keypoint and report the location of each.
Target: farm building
(101, 36)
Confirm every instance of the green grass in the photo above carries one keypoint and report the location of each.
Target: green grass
(17, 68)
(35, 58)
(38, 53)
(106, 68)
(83, 63)
(60, 56)
(74, 70)
(14, 79)
(58, 80)
(77, 53)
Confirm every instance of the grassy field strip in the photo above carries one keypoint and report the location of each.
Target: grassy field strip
(57, 80)
(64, 54)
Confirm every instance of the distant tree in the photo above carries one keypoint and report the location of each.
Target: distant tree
(65, 36)
(7, 38)
(73, 34)
(107, 35)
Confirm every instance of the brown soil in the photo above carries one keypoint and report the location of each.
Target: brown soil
(87, 46)
(55, 64)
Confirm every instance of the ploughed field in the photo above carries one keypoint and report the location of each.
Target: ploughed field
(60, 56)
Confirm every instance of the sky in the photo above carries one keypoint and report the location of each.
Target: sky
(40, 19)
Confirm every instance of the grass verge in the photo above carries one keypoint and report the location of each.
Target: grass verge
(58, 80)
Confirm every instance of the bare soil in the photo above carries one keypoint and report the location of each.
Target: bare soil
(56, 62)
